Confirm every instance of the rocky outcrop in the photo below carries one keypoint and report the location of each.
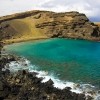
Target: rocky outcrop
(71, 25)
(24, 85)
(67, 25)
(1, 45)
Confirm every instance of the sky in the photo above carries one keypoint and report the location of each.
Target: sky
(90, 7)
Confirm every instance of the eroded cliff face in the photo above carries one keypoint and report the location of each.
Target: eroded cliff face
(70, 25)
(48, 24)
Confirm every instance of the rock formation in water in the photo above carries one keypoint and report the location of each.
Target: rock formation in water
(48, 24)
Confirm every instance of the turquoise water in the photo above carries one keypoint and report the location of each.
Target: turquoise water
(68, 59)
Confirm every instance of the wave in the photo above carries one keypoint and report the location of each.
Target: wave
(25, 64)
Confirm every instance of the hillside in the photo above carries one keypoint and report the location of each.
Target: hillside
(97, 23)
(44, 24)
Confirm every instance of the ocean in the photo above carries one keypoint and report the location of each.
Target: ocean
(66, 61)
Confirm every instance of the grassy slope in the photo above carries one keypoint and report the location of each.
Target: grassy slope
(26, 29)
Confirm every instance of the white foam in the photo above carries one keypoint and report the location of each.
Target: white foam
(14, 66)
(77, 88)
(57, 83)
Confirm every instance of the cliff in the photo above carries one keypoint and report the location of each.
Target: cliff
(45, 24)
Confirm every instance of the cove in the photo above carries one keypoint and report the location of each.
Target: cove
(68, 59)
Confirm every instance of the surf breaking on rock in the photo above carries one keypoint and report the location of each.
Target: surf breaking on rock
(24, 64)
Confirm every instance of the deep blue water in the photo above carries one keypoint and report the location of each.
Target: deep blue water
(68, 59)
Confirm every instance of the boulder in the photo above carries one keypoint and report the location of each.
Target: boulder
(1, 86)
(49, 82)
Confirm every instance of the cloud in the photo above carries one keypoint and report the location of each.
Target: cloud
(14, 6)
(90, 7)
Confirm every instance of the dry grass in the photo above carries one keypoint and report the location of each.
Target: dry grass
(26, 27)
(26, 30)
(97, 23)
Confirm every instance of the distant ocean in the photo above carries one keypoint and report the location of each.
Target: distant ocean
(68, 62)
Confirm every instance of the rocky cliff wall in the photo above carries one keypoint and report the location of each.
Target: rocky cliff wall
(50, 24)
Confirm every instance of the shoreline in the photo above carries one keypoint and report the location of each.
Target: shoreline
(51, 78)
(78, 88)
(14, 85)
(11, 41)
(46, 80)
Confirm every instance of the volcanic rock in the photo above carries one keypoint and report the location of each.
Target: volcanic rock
(48, 24)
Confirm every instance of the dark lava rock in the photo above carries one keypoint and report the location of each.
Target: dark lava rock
(24, 85)
(81, 97)
(4, 89)
(1, 86)
(49, 82)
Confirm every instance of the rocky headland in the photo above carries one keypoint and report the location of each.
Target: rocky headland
(45, 24)
(24, 85)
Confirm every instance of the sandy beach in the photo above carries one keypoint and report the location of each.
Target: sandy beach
(18, 40)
